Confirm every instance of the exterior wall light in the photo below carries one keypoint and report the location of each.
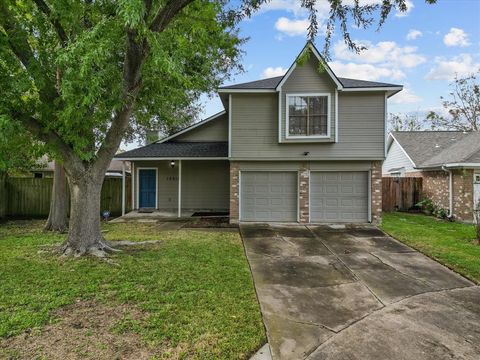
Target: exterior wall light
(172, 164)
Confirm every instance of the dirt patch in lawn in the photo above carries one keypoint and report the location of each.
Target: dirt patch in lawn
(84, 330)
(210, 222)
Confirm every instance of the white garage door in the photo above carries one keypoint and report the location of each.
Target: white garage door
(340, 196)
(268, 196)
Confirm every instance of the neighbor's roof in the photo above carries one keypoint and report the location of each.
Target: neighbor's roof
(176, 150)
(271, 83)
(429, 149)
(44, 164)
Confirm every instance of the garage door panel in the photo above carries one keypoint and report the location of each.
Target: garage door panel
(268, 196)
(339, 196)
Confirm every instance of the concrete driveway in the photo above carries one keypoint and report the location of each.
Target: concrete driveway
(355, 293)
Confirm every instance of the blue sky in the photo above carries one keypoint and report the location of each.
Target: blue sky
(421, 49)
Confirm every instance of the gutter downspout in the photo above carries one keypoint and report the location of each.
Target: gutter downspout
(450, 191)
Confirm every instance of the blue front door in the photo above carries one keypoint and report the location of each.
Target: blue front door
(147, 188)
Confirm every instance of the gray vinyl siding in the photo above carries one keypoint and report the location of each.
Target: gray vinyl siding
(396, 158)
(308, 79)
(361, 127)
(205, 184)
(214, 130)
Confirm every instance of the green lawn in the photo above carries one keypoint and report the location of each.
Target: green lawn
(450, 243)
(194, 289)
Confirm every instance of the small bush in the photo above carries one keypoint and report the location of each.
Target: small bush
(430, 208)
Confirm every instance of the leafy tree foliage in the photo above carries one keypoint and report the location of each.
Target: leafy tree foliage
(463, 106)
(19, 151)
(81, 75)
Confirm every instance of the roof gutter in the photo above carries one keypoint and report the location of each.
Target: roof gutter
(450, 191)
(176, 158)
(450, 166)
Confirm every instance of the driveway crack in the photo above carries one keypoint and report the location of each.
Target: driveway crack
(348, 268)
(425, 282)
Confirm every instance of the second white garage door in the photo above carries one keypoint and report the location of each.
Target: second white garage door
(340, 196)
(268, 196)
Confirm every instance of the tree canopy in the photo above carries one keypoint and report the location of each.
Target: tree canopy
(82, 75)
(461, 108)
(63, 65)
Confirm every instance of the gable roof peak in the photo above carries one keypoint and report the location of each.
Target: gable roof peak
(310, 45)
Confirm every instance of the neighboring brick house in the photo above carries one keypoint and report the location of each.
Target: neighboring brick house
(448, 162)
(305, 147)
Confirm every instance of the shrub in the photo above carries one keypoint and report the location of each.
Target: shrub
(430, 208)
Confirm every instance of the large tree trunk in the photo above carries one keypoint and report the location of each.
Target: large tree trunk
(57, 218)
(84, 235)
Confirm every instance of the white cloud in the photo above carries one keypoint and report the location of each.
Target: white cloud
(273, 71)
(295, 7)
(446, 69)
(410, 6)
(414, 34)
(456, 37)
(292, 27)
(385, 53)
(365, 71)
(406, 96)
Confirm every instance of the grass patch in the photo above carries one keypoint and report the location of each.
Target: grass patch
(194, 287)
(450, 243)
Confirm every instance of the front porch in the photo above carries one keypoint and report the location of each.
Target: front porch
(165, 215)
(177, 188)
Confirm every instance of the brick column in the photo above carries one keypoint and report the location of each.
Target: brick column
(463, 195)
(304, 194)
(234, 192)
(376, 182)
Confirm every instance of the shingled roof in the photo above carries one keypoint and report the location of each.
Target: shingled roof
(429, 149)
(178, 150)
(271, 84)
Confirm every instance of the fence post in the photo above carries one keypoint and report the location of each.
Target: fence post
(3, 194)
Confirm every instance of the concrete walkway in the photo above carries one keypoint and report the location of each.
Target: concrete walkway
(354, 293)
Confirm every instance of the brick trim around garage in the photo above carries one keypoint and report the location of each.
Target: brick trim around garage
(376, 192)
(234, 192)
(304, 192)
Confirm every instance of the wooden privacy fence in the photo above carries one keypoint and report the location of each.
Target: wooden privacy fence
(25, 197)
(401, 194)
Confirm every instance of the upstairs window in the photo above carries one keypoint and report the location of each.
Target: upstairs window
(308, 115)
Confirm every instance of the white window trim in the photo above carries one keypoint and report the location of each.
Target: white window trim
(138, 184)
(287, 120)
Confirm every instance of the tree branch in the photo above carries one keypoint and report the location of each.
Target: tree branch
(43, 7)
(137, 50)
(167, 13)
(73, 162)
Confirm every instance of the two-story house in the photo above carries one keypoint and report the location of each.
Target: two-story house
(304, 147)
